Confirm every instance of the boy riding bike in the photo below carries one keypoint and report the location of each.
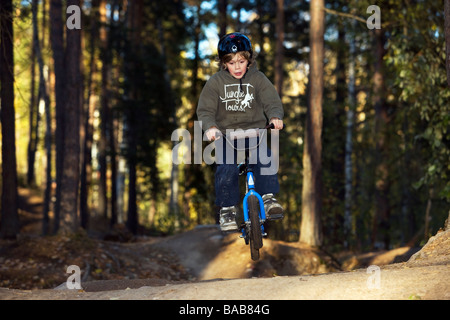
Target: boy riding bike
(239, 96)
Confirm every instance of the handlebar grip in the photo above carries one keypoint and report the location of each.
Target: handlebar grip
(271, 126)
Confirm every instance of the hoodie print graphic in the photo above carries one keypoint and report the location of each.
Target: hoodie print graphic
(236, 99)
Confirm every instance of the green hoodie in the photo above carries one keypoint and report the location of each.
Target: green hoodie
(229, 103)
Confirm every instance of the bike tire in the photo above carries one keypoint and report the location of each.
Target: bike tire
(256, 242)
(254, 253)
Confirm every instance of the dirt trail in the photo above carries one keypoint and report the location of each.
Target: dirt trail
(204, 264)
(396, 283)
(221, 270)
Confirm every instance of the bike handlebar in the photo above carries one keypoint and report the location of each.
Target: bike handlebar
(246, 134)
(250, 133)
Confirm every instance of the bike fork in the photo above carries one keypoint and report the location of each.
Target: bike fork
(250, 188)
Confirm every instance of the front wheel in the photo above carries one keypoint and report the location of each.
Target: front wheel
(255, 227)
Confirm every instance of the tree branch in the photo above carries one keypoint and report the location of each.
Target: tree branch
(354, 17)
(346, 15)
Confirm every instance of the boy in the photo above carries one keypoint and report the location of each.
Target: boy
(239, 96)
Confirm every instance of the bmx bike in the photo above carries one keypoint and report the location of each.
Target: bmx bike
(254, 215)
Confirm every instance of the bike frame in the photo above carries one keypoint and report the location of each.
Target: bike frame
(251, 191)
(250, 187)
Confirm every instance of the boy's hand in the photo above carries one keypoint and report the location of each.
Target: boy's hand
(213, 133)
(278, 124)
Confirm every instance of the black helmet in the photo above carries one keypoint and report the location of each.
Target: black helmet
(232, 43)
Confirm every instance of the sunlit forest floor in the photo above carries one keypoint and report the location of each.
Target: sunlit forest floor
(37, 262)
(124, 261)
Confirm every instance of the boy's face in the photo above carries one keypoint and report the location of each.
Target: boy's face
(237, 66)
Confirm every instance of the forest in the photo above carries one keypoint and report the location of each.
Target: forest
(92, 91)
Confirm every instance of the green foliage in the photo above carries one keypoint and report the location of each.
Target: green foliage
(416, 138)
(417, 56)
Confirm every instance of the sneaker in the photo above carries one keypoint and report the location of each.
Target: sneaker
(274, 211)
(227, 219)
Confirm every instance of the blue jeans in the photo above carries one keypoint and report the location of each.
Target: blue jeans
(227, 174)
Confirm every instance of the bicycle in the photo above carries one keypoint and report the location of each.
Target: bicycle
(252, 228)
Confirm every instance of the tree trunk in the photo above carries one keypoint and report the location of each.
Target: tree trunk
(312, 163)
(72, 112)
(9, 227)
(113, 156)
(428, 217)
(86, 167)
(279, 48)
(170, 103)
(43, 94)
(34, 110)
(222, 6)
(48, 170)
(102, 206)
(348, 223)
(135, 25)
(57, 42)
(262, 53)
(337, 118)
(108, 119)
(381, 218)
(447, 37)
(193, 175)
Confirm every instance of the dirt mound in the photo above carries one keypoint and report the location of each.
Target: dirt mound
(436, 251)
(204, 253)
(209, 254)
(41, 262)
